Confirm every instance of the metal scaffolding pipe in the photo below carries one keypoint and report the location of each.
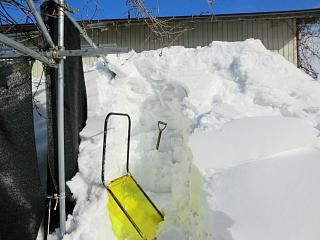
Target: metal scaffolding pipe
(41, 24)
(91, 52)
(60, 116)
(27, 51)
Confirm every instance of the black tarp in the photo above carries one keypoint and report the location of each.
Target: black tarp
(75, 104)
(21, 195)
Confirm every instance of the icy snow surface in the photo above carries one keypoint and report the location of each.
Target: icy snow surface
(239, 159)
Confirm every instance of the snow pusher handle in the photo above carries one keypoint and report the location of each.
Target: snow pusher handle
(105, 140)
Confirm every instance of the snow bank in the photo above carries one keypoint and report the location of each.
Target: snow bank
(241, 79)
(275, 198)
(250, 139)
(239, 103)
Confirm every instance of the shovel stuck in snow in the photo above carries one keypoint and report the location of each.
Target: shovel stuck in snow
(133, 215)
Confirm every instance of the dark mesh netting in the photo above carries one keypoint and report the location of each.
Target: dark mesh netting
(21, 196)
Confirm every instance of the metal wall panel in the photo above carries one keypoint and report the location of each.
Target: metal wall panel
(278, 35)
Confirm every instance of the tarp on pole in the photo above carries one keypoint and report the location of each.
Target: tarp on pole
(75, 107)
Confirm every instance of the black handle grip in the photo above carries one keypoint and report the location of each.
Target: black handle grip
(105, 140)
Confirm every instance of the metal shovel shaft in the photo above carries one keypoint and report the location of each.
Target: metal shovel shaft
(161, 126)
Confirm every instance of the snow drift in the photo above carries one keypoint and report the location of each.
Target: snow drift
(274, 198)
(238, 160)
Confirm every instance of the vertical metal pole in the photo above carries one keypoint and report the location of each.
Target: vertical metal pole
(60, 115)
(84, 34)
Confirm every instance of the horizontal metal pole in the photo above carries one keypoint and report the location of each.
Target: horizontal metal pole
(41, 24)
(99, 45)
(91, 52)
(27, 51)
(83, 46)
(23, 34)
(86, 52)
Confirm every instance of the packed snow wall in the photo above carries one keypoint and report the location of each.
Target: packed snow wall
(22, 198)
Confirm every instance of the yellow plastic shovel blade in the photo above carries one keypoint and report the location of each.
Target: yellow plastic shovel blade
(132, 213)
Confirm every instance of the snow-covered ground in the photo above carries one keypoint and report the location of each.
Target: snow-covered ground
(240, 157)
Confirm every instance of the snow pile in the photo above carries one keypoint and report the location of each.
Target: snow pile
(249, 139)
(275, 198)
(250, 169)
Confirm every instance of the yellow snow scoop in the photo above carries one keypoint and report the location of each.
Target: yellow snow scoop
(133, 215)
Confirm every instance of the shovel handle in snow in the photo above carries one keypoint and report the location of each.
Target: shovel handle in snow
(105, 141)
(161, 126)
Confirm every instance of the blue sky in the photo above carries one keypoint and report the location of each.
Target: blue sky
(117, 8)
(113, 9)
